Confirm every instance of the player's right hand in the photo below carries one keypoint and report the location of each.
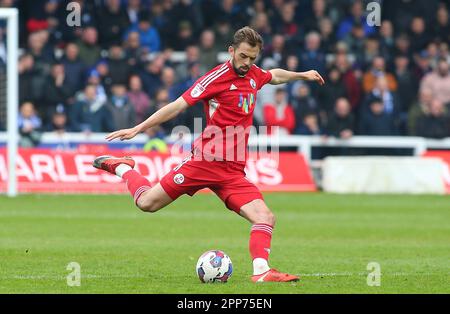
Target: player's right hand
(124, 134)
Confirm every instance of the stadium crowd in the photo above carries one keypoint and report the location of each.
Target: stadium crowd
(119, 66)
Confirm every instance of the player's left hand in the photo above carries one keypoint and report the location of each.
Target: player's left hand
(314, 76)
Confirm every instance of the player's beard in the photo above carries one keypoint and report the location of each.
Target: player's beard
(242, 70)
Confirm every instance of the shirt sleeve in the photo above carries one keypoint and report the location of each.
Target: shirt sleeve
(200, 91)
(263, 77)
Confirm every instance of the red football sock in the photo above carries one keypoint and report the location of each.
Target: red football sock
(260, 237)
(136, 184)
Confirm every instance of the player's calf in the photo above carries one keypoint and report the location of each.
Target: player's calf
(147, 198)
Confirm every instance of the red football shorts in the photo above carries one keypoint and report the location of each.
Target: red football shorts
(223, 178)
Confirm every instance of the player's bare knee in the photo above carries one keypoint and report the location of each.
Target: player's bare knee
(269, 218)
(148, 204)
(266, 217)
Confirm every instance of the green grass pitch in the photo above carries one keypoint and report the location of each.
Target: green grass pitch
(327, 239)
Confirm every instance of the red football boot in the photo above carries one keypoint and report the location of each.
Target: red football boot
(273, 275)
(110, 163)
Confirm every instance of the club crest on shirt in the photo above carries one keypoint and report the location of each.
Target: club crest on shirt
(178, 178)
(253, 83)
(197, 90)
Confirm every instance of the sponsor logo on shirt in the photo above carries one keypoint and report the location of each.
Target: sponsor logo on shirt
(246, 103)
(197, 90)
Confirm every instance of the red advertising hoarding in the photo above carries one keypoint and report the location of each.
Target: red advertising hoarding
(52, 171)
(445, 156)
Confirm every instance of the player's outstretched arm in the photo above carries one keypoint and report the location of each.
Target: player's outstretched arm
(164, 114)
(280, 76)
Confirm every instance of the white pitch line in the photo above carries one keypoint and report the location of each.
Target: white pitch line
(92, 276)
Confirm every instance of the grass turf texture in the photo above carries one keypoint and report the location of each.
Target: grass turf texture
(327, 239)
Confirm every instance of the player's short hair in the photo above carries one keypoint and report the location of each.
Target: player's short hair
(249, 36)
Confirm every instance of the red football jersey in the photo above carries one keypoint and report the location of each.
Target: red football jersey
(229, 101)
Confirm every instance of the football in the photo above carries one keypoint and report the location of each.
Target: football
(214, 266)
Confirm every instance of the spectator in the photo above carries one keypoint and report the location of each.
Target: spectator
(355, 41)
(260, 23)
(134, 53)
(160, 20)
(156, 140)
(442, 27)
(318, 14)
(279, 116)
(59, 121)
(112, 23)
(422, 65)
(150, 76)
(133, 11)
(418, 34)
(234, 12)
(303, 102)
(327, 34)
(349, 76)
(331, 91)
(355, 17)
(102, 70)
(168, 80)
(190, 11)
(444, 51)
(371, 51)
(265, 95)
(29, 125)
(89, 114)
(57, 90)
(377, 70)
(184, 36)
(309, 125)
(312, 57)
(121, 109)
(88, 19)
(432, 51)
(406, 82)
(291, 65)
(224, 32)
(376, 121)
(31, 80)
(138, 98)
(74, 68)
(119, 69)
(42, 55)
(436, 124)
(403, 45)
(387, 41)
(187, 118)
(439, 82)
(391, 103)
(40, 49)
(419, 109)
(276, 51)
(162, 99)
(192, 56)
(288, 26)
(208, 52)
(341, 122)
(148, 35)
(89, 50)
(95, 80)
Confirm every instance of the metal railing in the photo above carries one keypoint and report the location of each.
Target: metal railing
(304, 144)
